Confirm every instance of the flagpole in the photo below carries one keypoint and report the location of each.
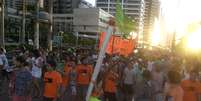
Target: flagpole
(100, 59)
(108, 9)
(122, 4)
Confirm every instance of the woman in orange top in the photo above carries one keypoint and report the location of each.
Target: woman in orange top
(110, 82)
(190, 87)
(70, 82)
(173, 90)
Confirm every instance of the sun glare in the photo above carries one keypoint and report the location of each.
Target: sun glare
(155, 36)
(194, 41)
(178, 14)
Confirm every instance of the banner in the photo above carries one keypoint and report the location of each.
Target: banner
(118, 45)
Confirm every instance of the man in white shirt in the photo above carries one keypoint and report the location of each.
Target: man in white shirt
(3, 62)
(128, 82)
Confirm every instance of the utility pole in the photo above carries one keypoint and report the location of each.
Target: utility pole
(36, 34)
(2, 34)
(22, 36)
(49, 36)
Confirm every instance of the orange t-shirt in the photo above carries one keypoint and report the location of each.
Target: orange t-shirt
(52, 81)
(65, 78)
(84, 73)
(110, 82)
(199, 88)
(190, 90)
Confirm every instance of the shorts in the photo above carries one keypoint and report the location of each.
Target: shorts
(47, 99)
(109, 96)
(21, 98)
(128, 89)
(5, 74)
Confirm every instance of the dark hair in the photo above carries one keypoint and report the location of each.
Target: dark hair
(174, 77)
(21, 59)
(1, 50)
(36, 53)
(52, 63)
(147, 74)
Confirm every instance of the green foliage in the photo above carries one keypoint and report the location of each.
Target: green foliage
(87, 42)
(69, 38)
(123, 22)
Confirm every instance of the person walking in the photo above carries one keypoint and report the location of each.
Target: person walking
(21, 81)
(52, 83)
(110, 84)
(173, 91)
(128, 82)
(191, 87)
(84, 74)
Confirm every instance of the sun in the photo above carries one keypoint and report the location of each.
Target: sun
(194, 41)
(155, 36)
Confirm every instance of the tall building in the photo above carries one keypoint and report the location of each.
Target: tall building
(66, 6)
(63, 13)
(17, 4)
(152, 10)
(132, 8)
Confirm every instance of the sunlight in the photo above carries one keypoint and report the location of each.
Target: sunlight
(194, 41)
(155, 36)
(178, 14)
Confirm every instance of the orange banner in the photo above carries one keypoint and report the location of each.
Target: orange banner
(118, 45)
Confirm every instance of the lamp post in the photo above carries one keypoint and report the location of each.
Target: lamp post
(2, 34)
(22, 36)
(36, 34)
(49, 36)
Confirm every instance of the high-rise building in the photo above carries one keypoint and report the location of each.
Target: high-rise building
(132, 8)
(66, 6)
(152, 10)
(17, 4)
(63, 13)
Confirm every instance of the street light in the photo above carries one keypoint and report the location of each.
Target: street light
(36, 34)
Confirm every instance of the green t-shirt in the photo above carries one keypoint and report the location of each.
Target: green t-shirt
(93, 99)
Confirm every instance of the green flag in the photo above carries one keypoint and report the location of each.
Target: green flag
(119, 16)
(123, 22)
(93, 99)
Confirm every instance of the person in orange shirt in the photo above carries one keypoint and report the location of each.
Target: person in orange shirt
(173, 90)
(190, 87)
(110, 83)
(84, 74)
(52, 83)
(199, 88)
(69, 82)
(66, 72)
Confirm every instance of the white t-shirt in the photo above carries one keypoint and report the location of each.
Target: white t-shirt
(1, 62)
(36, 70)
(129, 76)
(150, 66)
(4, 61)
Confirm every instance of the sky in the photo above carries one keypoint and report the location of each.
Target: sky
(91, 1)
(180, 13)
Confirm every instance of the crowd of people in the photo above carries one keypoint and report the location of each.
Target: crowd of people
(138, 77)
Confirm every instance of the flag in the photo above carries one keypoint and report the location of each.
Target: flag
(123, 22)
